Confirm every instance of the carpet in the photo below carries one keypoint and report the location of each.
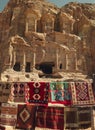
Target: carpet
(37, 93)
(50, 117)
(93, 118)
(2, 128)
(70, 118)
(17, 92)
(26, 116)
(37, 128)
(8, 114)
(60, 93)
(82, 93)
(84, 117)
(5, 89)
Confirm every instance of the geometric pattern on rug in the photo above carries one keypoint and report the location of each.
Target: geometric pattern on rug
(82, 93)
(17, 92)
(84, 117)
(60, 93)
(71, 118)
(8, 114)
(5, 89)
(26, 116)
(37, 93)
(50, 117)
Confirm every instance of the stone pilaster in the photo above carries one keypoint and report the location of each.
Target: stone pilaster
(67, 67)
(35, 25)
(14, 57)
(57, 59)
(34, 62)
(26, 27)
(76, 66)
(23, 62)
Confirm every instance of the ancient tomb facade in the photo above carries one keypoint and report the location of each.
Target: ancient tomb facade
(40, 38)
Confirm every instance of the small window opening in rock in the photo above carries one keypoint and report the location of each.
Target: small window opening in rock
(17, 66)
(61, 66)
(28, 67)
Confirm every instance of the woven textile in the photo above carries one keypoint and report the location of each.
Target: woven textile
(60, 93)
(37, 93)
(82, 93)
(70, 118)
(37, 128)
(8, 114)
(50, 117)
(1, 89)
(2, 128)
(17, 92)
(5, 89)
(84, 117)
(26, 116)
(93, 119)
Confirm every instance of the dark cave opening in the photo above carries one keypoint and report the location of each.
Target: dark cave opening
(46, 67)
(17, 66)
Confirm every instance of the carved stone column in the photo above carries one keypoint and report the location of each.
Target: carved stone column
(26, 27)
(67, 62)
(10, 55)
(57, 59)
(35, 25)
(14, 57)
(23, 62)
(34, 62)
(76, 66)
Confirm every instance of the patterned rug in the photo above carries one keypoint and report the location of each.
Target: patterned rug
(37, 93)
(60, 93)
(93, 119)
(8, 114)
(84, 117)
(37, 128)
(2, 128)
(1, 91)
(50, 117)
(82, 93)
(5, 89)
(26, 116)
(70, 118)
(17, 92)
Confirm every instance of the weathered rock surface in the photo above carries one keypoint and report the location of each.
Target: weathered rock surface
(37, 37)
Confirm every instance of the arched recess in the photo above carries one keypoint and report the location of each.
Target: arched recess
(31, 20)
(47, 22)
